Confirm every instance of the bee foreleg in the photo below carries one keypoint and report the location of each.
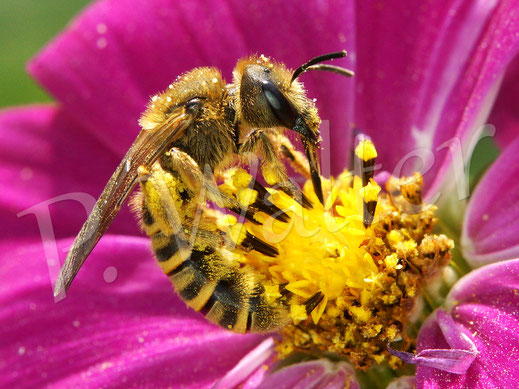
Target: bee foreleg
(262, 142)
(296, 158)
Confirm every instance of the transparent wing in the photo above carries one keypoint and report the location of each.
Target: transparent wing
(148, 146)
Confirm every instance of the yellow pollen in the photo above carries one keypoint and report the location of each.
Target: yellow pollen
(360, 314)
(370, 191)
(247, 196)
(237, 233)
(240, 178)
(272, 293)
(298, 313)
(366, 150)
(347, 288)
(270, 176)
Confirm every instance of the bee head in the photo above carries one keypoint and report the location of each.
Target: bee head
(269, 95)
(266, 97)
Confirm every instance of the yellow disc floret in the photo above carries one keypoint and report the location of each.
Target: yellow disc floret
(348, 286)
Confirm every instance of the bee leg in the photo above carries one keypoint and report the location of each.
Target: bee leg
(295, 157)
(209, 189)
(180, 163)
(162, 203)
(201, 185)
(261, 142)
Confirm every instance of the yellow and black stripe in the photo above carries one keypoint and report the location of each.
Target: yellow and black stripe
(197, 262)
(228, 296)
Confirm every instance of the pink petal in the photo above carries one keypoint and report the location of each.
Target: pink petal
(252, 362)
(120, 325)
(44, 154)
(456, 358)
(320, 374)
(494, 285)
(504, 115)
(491, 227)
(255, 380)
(484, 304)
(117, 53)
(426, 74)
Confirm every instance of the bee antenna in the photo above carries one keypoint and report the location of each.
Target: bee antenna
(309, 65)
(332, 68)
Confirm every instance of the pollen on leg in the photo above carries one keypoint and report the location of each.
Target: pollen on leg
(349, 272)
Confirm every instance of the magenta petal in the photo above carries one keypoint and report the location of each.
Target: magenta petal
(118, 53)
(452, 334)
(455, 359)
(491, 225)
(253, 361)
(313, 374)
(495, 285)
(121, 324)
(484, 305)
(45, 154)
(504, 115)
(427, 74)
(449, 360)
(256, 378)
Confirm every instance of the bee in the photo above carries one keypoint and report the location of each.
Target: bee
(190, 133)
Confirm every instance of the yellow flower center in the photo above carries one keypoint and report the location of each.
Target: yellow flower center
(349, 284)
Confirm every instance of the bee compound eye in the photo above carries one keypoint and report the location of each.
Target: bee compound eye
(278, 103)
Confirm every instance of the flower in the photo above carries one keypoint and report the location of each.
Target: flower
(482, 321)
(490, 227)
(348, 276)
(426, 74)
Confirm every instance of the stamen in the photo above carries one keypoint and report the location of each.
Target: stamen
(366, 154)
(263, 203)
(349, 272)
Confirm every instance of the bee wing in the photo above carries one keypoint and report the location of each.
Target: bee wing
(148, 146)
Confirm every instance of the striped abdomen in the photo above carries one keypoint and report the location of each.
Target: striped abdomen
(228, 296)
(199, 266)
